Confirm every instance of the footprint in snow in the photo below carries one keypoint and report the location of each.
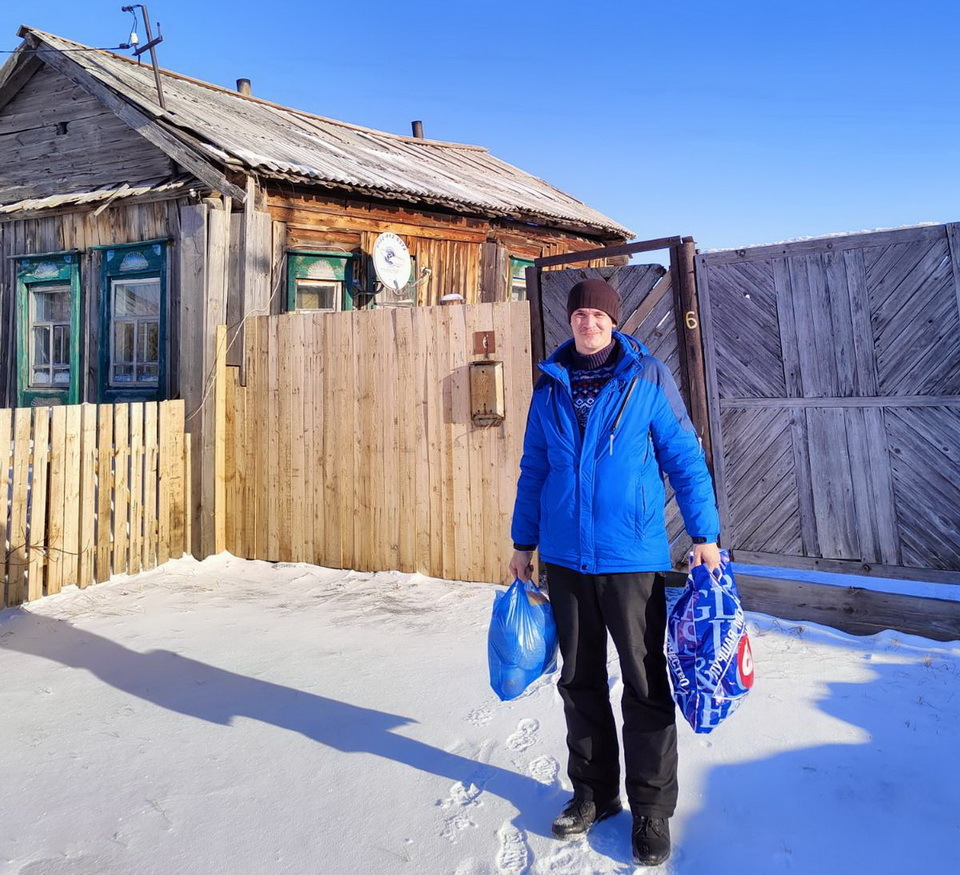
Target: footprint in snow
(480, 716)
(544, 769)
(525, 736)
(513, 856)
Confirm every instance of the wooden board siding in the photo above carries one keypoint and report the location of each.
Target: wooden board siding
(94, 149)
(465, 255)
(82, 231)
(351, 445)
(834, 368)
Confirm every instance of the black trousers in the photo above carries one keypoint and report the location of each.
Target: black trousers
(633, 608)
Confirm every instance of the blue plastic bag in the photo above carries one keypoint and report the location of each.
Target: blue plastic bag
(522, 641)
(708, 650)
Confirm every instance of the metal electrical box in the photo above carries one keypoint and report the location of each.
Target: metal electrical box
(486, 393)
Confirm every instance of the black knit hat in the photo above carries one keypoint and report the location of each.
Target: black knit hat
(594, 295)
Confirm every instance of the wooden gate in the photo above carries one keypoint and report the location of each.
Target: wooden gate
(833, 372)
(658, 308)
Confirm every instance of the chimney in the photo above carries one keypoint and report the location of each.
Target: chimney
(417, 129)
(243, 86)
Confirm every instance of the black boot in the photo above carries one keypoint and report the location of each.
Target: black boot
(581, 814)
(651, 840)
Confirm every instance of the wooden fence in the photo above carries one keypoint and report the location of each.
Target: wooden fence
(352, 444)
(89, 491)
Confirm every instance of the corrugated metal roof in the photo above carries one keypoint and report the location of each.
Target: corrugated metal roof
(240, 131)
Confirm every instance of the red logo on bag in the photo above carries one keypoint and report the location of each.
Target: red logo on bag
(745, 663)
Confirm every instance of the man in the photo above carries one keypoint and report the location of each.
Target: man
(606, 422)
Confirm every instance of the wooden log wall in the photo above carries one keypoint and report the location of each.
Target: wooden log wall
(834, 367)
(87, 491)
(352, 444)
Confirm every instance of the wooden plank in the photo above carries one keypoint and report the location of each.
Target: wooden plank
(286, 378)
(608, 252)
(166, 473)
(55, 504)
(87, 502)
(832, 487)
(459, 508)
(323, 350)
(713, 392)
(436, 439)
(36, 571)
(232, 510)
(395, 406)
(272, 424)
(105, 490)
(863, 498)
(218, 402)
(879, 476)
(175, 449)
(151, 476)
(258, 379)
(421, 521)
(858, 299)
(301, 509)
(136, 486)
(121, 494)
(953, 242)
(343, 406)
(880, 401)
(6, 460)
(816, 245)
(19, 558)
(72, 509)
(193, 290)
(538, 351)
(851, 609)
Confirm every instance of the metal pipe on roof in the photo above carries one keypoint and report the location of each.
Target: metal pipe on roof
(243, 86)
(417, 129)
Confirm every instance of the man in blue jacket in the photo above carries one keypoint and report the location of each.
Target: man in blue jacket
(606, 423)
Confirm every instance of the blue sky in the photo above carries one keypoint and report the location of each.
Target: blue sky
(736, 123)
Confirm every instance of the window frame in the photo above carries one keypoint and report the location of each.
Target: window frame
(521, 265)
(34, 272)
(115, 265)
(299, 262)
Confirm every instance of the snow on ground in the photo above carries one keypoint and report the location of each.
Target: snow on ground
(239, 717)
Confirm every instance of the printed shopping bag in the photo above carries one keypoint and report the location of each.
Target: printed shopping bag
(708, 650)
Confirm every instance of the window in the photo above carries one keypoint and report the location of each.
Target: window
(48, 315)
(518, 278)
(133, 287)
(319, 281)
(135, 350)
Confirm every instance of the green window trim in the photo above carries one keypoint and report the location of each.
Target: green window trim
(518, 278)
(328, 273)
(133, 322)
(48, 335)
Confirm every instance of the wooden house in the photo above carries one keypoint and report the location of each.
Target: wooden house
(133, 221)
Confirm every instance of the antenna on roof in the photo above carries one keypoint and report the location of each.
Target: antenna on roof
(150, 44)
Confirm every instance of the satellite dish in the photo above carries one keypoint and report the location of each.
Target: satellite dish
(391, 262)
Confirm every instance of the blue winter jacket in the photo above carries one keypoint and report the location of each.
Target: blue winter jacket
(596, 503)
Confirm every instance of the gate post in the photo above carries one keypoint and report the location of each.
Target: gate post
(690, 338)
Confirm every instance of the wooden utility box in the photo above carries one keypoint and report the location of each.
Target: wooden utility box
(486, 393)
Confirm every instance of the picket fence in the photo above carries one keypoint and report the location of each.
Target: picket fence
(90, 491)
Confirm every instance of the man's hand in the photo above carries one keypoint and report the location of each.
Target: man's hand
(521, 564)
(705, 554)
